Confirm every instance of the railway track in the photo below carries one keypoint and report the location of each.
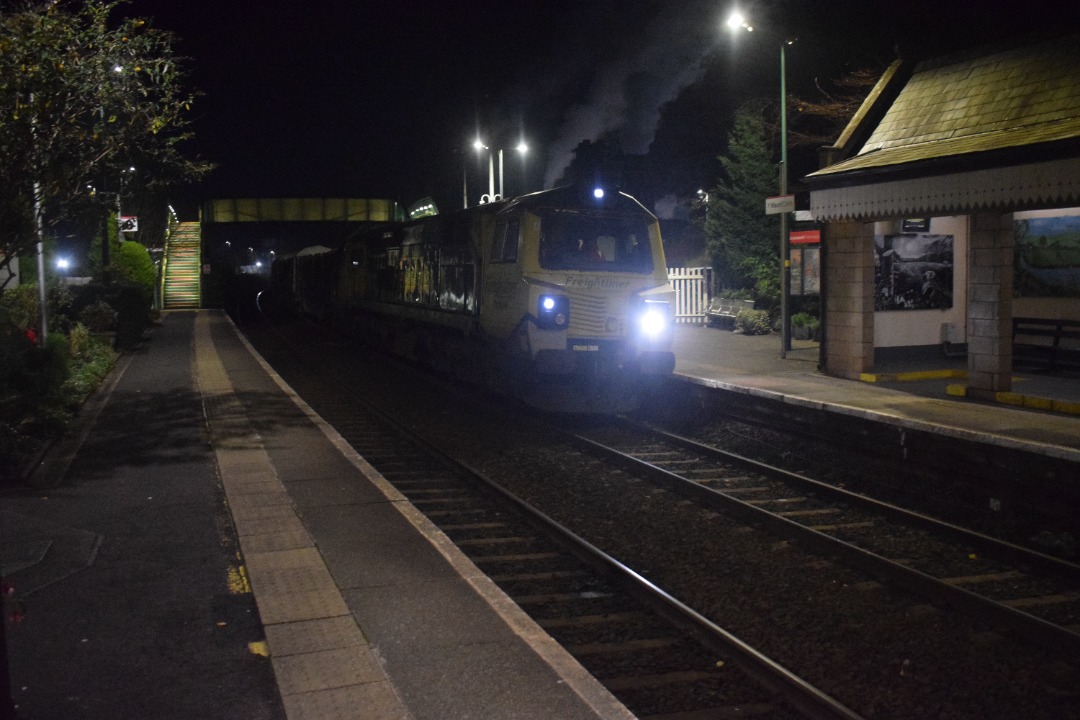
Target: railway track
(830, 621)
(1032, 595)
(658, 656)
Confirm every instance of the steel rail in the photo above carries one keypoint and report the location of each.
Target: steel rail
(794, 690)
(1027, 627)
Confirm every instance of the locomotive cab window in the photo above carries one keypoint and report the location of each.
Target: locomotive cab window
(504, 248)
(594, 242)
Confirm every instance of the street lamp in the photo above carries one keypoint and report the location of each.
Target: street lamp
(479, 146)
(522, 150)
(736, 21)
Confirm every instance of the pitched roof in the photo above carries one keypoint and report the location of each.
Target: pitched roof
(1017, 97)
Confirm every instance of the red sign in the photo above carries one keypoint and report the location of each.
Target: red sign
(804, 237)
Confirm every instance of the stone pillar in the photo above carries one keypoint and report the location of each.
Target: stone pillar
(989, 310)
(849, 299)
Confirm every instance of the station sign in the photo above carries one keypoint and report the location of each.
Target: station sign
(128, 223)
(778, 204)
(804, 237)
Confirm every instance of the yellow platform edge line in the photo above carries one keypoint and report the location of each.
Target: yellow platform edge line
(1033, 402)
(914, 376)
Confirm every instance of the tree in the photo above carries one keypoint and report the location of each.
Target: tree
(742, 240)
(819, 121)
(79, 102)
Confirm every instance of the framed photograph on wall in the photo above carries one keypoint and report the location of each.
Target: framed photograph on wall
(913, 272)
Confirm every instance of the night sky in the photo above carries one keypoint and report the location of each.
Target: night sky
(383, 99)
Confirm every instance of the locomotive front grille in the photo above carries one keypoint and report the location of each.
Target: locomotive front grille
(588, 316)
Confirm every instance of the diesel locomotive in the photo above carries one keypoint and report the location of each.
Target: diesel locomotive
(559, 298)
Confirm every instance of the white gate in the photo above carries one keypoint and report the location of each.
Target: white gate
(691, 293)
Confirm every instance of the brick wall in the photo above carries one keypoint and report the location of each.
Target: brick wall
(849, 310)
(990, 289)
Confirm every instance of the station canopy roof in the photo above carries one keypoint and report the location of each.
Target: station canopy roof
(986, 128)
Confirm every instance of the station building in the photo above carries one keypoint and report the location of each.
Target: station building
(950, 205)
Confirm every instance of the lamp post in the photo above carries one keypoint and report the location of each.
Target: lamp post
(120, 230)
(479, 146)
(736, 22)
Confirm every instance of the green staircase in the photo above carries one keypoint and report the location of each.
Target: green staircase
(183, 267)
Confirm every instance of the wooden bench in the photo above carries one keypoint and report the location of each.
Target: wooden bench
(725, 309)
(1046, 343)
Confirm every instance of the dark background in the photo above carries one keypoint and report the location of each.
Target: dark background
(383, 99)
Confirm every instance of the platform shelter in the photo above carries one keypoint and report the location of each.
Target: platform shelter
(950, 206)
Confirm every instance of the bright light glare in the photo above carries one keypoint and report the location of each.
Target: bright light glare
(479, 145)
(653, 322)
(63, 263)
(598, 193)
(522, 148)
(548, 303)
(737, 21)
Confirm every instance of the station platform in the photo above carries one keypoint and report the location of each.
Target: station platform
(179, 563)
(1040, 415)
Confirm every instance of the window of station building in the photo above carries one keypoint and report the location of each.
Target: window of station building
(504, 248)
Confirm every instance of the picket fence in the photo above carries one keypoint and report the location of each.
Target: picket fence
(692, 287)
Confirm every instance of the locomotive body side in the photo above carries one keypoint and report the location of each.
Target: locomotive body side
(412, 288)
(557, 298)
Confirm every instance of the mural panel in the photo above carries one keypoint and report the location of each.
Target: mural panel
(1047, 257)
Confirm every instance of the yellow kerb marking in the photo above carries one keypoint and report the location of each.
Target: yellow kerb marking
(238, 581)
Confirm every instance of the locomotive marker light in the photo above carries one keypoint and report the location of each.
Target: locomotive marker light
(553, 312)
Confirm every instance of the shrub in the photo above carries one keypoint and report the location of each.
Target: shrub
(98, 317)
(805, 320)
(79, 342)
(40, 388)
(133, 263)
(16, 350)
(805, 326)
(736, 294)
(21, 305)
(93, 358)
(752, 322)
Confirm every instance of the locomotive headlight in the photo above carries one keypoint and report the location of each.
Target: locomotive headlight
(553, 312)
(654, 319)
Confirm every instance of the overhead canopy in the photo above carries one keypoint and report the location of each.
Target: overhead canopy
(982, 129)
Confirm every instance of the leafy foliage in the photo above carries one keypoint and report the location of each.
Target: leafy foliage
(79, 102)
(753, 322)
(742, 240)
(133, 263)
(40, 388)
